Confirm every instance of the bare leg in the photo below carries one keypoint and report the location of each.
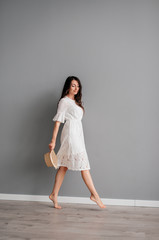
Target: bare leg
(58, 182)
(88, 181)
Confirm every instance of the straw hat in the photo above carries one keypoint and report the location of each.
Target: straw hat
(51, 159)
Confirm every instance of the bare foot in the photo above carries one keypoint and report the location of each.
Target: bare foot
(54, 199)
(97, 200)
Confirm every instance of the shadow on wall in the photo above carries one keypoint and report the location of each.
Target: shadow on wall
(25, 164)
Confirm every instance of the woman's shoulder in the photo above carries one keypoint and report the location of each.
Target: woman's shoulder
(63, 101)
(67, 101)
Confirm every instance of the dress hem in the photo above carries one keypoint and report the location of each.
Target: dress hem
(73, 169)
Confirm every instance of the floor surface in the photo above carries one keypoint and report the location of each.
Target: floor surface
(40, 220)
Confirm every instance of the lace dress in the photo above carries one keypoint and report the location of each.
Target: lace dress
(72, 152)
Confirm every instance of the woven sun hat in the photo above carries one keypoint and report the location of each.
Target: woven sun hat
(51, 159)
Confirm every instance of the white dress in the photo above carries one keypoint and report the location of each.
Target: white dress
(72, 152)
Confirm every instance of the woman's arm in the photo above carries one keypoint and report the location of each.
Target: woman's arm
(54, 135)
(55, 131)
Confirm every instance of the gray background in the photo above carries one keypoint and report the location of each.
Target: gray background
(112, 46)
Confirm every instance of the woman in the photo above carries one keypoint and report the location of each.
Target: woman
(72, 153)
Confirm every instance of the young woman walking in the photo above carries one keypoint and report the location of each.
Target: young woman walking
(72, 153)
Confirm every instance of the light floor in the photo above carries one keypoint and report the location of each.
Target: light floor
(40, 220)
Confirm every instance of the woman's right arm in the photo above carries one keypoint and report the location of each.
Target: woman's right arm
(58, 118)
(54, 135)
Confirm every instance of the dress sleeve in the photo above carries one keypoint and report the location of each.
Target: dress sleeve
(61, 109)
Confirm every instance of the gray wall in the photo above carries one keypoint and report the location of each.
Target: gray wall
(112, 46)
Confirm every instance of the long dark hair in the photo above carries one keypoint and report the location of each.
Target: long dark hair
(66, 88)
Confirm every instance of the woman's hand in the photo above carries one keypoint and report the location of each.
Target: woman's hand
(52, 145)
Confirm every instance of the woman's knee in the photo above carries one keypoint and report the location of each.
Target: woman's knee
(63, 168)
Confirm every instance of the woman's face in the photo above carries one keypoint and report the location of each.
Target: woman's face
(74, 88)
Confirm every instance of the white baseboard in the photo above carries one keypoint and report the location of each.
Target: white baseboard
(85, 200)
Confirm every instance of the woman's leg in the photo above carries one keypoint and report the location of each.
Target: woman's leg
(57, 184)
(89, 182)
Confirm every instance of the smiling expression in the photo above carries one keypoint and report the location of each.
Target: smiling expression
(74, 87)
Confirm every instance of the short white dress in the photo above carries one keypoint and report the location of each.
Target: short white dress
(72, 152)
